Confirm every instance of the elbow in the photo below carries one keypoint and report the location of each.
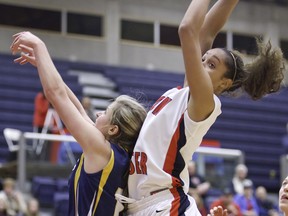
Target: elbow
(186, 31)
(183, 29)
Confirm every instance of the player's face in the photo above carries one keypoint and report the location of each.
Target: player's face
(214, 64)
(283, 196)
(103, 119)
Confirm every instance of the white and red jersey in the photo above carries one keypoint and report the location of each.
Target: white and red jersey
(166, 143)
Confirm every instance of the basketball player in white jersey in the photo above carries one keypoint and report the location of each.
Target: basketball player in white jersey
(175, 125)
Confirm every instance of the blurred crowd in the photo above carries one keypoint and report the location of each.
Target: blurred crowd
(239, 196)
(14, 203)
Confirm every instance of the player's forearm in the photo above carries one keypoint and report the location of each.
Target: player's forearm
(214, 21)
(52, 83)
(218, 15)
(77, 103)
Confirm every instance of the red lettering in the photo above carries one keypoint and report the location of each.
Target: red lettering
(132, 168)
(143, 162)
(140, 160)
(136, 156)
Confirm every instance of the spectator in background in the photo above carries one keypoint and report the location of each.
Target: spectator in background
(283, 197)
(283, 200)
(247, 201)
(3, 207)
(226, 202)
(86, 103)
(41, 106)
(266, 206)
(33, 207)
(198, 187)
(241, 172)
(14, 200)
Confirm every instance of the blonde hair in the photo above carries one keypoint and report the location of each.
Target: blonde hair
(129, 115)
(9, 182)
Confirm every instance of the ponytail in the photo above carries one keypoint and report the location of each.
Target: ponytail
(260, 77)
(266, 72)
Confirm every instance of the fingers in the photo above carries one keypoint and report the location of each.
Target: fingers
(225, 212)
(26, 49)
(18, 60)
(25, 58)
(21, 60)
(30, 59)
(218, 211)
(15, 46)
(23, 42)
(17, 34)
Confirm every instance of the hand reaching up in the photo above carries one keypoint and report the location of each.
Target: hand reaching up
(24, 43)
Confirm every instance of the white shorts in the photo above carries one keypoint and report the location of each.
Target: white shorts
(164, 203)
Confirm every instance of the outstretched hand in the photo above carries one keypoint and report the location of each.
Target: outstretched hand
(218, 211)
(24, 43)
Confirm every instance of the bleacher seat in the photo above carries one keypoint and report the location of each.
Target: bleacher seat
(61, 203)
(13, 94)
(16, 106)
(99, 92)
(4, 155)
(62, 185)
(44, 188)
(254, 127)
(18, 88)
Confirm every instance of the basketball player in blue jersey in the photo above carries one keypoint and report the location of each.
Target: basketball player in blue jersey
(107, 143)
(174, 127)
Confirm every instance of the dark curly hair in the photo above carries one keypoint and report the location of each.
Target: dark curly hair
(260, 77)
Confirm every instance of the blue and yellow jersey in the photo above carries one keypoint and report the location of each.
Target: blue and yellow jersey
(94, 194)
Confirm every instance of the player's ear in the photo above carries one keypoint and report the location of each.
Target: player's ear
(113, 130)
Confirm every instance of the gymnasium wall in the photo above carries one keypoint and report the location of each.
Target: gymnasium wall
(248, 18)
